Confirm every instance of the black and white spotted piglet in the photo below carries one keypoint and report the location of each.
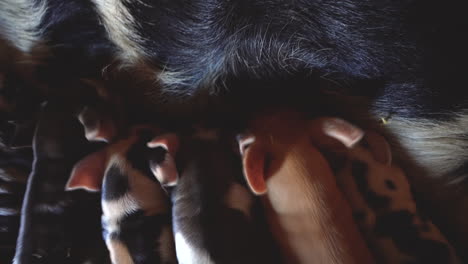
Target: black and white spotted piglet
(136, 211)
(384, 207)
(215, 217)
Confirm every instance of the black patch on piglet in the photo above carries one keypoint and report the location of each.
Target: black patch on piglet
(115, 184)
(399, 226)
(390, 185)
(141, 233)
(359, 216)
(359, 170)
(139, 154)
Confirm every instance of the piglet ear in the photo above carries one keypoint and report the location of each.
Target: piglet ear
(326, 131)
(88, 173)
(253, 160)
(164, 169)
(379, 147)
(98, 127)
(342, 131)
(168, 141)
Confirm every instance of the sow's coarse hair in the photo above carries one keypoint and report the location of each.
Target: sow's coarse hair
(408, 56)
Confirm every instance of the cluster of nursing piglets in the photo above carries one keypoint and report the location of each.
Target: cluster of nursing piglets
(193, 196)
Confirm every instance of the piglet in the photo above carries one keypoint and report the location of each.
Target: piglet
(215, 217)
(54, 226)
(383, 205)
(136, 211)
(307, 212)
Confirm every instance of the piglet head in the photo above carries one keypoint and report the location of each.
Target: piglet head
(270, 139)
(89, 172)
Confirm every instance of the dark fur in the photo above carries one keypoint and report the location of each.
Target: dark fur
(57, 226)
(75, 39)
(15, 166)
(410, 52)
(414, 49)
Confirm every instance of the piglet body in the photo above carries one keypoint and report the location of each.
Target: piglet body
(306, 213)
(306, 210)
(216, 219)
(136, 212)
(385, 209)
(50, 216)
